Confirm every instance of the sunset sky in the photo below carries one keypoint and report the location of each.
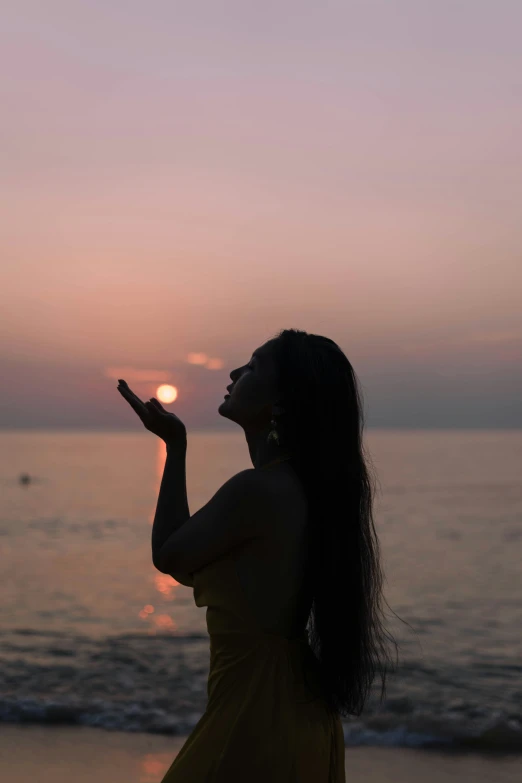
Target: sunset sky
(181, 180)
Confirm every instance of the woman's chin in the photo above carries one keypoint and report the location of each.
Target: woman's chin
(223, 406)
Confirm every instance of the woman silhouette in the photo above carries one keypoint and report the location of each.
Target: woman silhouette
(286, 559)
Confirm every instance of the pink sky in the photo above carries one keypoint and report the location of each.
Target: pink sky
(193, 177)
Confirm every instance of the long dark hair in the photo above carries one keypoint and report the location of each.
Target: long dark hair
(322, 426)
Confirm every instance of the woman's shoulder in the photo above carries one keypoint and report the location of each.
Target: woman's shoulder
(287, 493)
(277, 493)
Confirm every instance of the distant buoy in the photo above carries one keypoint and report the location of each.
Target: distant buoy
(24, 478)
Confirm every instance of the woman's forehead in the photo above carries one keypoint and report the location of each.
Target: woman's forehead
(265, 358)
(264, 351)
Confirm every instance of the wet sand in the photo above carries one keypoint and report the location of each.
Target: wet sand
(46, 754)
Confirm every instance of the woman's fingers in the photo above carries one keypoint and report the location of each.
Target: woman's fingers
(133, 400)
(158, 405)
(140, 410)
(124, 387)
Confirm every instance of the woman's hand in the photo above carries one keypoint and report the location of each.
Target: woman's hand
(155, 418)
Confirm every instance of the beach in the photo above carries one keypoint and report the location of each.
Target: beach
(45, 754)
(104, 660)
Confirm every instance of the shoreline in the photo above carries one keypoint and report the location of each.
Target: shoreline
(59, 754)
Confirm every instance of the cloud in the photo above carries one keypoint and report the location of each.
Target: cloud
(215, 364)
(134, 374)
(197, 358)
(211, 363)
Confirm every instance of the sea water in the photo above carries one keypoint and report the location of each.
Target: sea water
(91, 633)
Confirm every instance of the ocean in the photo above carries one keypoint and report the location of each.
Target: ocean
(91, 634)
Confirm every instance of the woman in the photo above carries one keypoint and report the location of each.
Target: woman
(287, 544)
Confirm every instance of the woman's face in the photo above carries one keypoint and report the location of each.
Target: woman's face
(253, 390)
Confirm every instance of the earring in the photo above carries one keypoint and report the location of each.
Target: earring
(273, 434)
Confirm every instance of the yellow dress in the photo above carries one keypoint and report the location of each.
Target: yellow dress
(265, 721)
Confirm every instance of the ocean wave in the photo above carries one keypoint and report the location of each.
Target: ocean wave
(158, 684)
(418, 731)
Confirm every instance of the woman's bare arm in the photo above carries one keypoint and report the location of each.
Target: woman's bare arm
(172, 509)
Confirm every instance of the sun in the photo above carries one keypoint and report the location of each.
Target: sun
(166, 393)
